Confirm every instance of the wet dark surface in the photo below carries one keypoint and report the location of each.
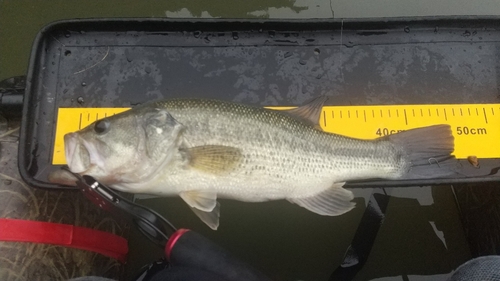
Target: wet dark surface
(125, 63)
(480, 213)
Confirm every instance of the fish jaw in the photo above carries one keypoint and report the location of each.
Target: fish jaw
(81, 155)
(77, 155)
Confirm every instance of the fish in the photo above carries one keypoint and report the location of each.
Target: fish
(203, 149)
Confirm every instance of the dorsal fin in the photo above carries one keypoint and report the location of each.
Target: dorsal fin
(309, 112)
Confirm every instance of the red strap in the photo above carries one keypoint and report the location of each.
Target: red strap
(172, 240)
(64, 235)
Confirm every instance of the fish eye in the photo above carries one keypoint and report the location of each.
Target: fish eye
(101, 126)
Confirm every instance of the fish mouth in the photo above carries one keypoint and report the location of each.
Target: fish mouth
(77, 154)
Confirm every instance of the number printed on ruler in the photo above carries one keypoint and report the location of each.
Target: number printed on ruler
(476, 127)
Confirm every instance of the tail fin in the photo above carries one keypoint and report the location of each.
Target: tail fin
(428, 150)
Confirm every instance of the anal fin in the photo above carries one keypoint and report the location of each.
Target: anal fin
(204, 201)
(334, 201)
(209, 218)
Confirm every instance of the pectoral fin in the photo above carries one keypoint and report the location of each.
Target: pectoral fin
(214, 159)
(209, 218)
(331, 202)
(310, 112)
(202, 200)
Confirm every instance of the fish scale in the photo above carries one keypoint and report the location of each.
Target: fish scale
(208, 149)
(258, 132)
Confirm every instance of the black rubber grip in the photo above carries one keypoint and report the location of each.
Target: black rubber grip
(193, 250)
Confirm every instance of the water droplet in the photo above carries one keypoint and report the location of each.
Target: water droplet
(272, 34)
(207, 40)
(317, 51)
(67, 53)
(474, 32)
(287, 55)
(84, 84)
(65, 91)
(235, 36)
(466, 33)
(67, 34)
(302, 62)
(147, 69)
(80, 100)
(407, 29)
(319, 76)
(197, 34)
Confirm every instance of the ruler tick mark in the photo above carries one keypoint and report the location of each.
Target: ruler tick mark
(485, 118)
(80, 123)
(348, 114)
(468, 109)
(333, 114)
(406, 119)
(341, 114)
(492, 111)
(357, 114)
(461, 113)
(389, 111)
(429, 112)
(413, 111)
(445, 117)
(421, 113)
(453, 111)
(373, 113)
(364, 114)
(437, 111)
(397, 113)
(381, 115)
(324, 118)
(477, 112)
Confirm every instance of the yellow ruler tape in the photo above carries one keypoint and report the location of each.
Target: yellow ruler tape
(476, 127)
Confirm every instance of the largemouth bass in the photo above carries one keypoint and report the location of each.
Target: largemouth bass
(208, 149)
